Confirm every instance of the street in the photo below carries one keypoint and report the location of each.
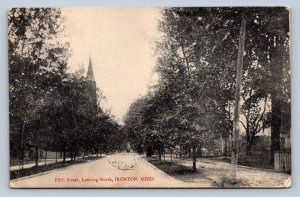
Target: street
(122, 170)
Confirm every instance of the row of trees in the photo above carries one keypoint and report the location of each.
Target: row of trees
(51, 108)
(193, 101)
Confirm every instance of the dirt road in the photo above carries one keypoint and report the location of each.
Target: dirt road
(123, 170)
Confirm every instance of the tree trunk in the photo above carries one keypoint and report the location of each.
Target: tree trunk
(55, 156)
(36, 155)
(180, 154)
(22, 157)
(45, 157)
(159, 154)
(84, 153)
(194, 157)
(250, 144)
(275, 127)
(248, 140)
(64, 156)
(22, 146)
(236, 129)
(277, 64)
(227, 153)
(200, 150)
(249, 148)
(164, 154)
(74, 155)
(149, 152)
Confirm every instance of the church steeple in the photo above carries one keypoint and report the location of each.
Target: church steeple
(91, 89)
(90, 74)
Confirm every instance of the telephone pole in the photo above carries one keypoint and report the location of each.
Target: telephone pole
(236, 118)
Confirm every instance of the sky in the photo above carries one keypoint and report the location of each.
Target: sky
(121, 44)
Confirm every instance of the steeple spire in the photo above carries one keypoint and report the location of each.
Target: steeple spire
(90, 74)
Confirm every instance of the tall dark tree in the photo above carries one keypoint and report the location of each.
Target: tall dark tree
(36, 66)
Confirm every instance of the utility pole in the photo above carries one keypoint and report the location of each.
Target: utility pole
(236, 118)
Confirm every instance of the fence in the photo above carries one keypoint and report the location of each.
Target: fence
(282, 161)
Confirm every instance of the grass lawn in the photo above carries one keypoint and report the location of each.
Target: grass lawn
(216, 171)
(181, 172)
(258, 160)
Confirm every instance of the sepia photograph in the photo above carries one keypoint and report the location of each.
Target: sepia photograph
(149, 97)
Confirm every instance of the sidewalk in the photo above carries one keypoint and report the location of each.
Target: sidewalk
(248, 177)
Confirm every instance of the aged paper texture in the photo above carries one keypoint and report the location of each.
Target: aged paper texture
(178, 97)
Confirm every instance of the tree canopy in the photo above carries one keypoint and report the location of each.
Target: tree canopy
(193, 100)
(51, 108)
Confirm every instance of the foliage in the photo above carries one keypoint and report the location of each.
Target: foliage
(51, 108)
(192, 103)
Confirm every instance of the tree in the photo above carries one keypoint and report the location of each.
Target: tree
(35, 67)
(256, 118)
(196, 63)
(52, 108)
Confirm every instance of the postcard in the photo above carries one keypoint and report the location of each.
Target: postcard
(153, 97)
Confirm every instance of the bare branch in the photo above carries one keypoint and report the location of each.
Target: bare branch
(243, 125)
(262, 114)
